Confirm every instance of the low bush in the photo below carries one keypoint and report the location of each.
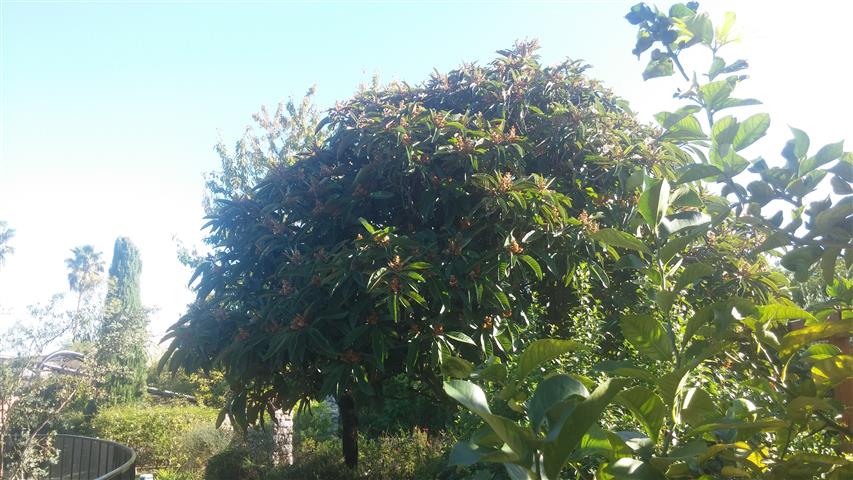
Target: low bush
(161, 434)
(234, 464)
(411, 455)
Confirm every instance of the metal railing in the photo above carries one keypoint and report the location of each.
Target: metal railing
(86, 458)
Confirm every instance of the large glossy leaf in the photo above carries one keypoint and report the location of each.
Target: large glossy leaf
(825, 155)
(698, 407)
(456, 367)
(698, 171)
(807, 335)
(616, 238)
(654, 202)
(833, 370)
(750, 130)
(713, 94)
(681, 220)
(629, 469)
(541, 351)
(777, 312)
(692, 273)
(646, 406)
(724, 131)
(584, 416)
(472, 397)
(550, 392)
(647, 335)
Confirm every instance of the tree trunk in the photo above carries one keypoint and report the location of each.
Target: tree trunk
(349, 430)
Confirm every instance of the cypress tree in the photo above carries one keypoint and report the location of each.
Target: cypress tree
(123, 334)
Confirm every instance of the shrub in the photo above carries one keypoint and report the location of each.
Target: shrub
(316, 423)
(405, 455)
(233, 464)
(156, 433)
(200, 444)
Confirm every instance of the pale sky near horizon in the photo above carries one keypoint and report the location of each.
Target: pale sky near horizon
(109, 110)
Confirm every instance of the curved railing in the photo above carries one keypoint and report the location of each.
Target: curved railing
(88, 458)
(85, 458)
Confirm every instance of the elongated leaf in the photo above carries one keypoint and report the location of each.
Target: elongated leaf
(646, 406)
(647, 335)
(551, 392)
(802, 337)
(473, 398)
(698, 171)
(631, 469)
(654, 202)
(698, 407)
(693, 272)
(584, 416)
(541, 351)
(460, 337)
(616, 238)
(825, 155)
(456, 367)
(724, 130)
(778, 312)
(833, 370)
(533, 264)
(752, 129)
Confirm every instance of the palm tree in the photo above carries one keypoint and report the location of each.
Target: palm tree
(6, 235)
(86, 270)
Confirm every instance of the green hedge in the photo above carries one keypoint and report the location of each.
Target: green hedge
(160, 434)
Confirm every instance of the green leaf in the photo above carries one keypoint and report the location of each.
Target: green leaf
(668, 119)
(472, 397)
(533, 264)
(736, 102)
(456, 367)
(646, 406)
(778, 312)
(833, 370)
(693, 272)
(550, 392)
(825, 155)
(647, 335)
(460, 337)
(698, 407)
(467, 454)
(714, 93)
(801, 259)
(654, 202)
(541, 351)
(660, 65)
(616, 238)
(796, 149)
(724, 130)
(752, 129)
(584, 416)
(630, 469)
(797, 339)
(685, 129)
(840, 186)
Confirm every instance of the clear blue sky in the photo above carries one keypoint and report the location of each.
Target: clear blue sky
(110, 110)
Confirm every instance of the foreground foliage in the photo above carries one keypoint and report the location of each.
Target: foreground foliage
(487, 223)
(725, 376)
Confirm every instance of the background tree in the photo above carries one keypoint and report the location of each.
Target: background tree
(86, 269)
(30, 402)
(123, 336)
(421, 233)
(6, 235)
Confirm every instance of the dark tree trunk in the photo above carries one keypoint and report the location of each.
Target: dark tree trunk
(349, 430)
